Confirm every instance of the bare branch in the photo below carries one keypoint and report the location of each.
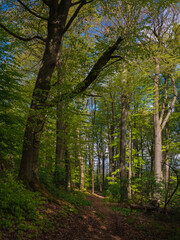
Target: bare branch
(32, 12)
(172, 103)
(25, 39)
(82, 3)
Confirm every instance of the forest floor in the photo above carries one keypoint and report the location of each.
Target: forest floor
(100, 221)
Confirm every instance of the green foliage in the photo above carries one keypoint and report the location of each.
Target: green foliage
(125, 211)
(75, 198)
(19, 207)
(143, 187)
(55, 186)
(46, 176)
(113, 192)
(59, 176)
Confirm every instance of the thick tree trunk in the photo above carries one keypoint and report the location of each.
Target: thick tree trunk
(59, 120)
(36, 119)
(157, 135)
(157, 129)
(123, 174)
(123, 136)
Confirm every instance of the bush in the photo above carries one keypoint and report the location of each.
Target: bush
(113, 192)
(75, 198)
(54, 184)
(18, 206)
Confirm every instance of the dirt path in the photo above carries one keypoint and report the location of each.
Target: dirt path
(109, 227)
(96, 222)
(112, 226)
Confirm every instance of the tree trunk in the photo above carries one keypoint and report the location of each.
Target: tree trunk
(157, 129)
(36, 119)
(122, 159)
(167, 159)
(92, 145)
(82, 177)
(130, 157)
(103, 159)
(59, 137)
(67, 169)
(112, 136)
(92, 168)
(110, 155)
(59, 121)
(99, 168)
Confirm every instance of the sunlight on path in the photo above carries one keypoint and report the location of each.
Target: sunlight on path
(107, 220)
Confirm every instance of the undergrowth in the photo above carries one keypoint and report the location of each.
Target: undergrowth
(19, 207)
(74, 197)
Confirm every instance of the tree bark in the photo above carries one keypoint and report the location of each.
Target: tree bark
(59, 123)
(112, 123)
(82, 175)
(92, 146)
(29, 163)
(167, 158)
(122, 159)
(130, 157)
(99, 167)
(67, 169)
(157, 128)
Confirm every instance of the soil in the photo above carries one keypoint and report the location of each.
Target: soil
(96, 222)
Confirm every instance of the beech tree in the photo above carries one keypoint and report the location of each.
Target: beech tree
(162, 34)
(58, 23)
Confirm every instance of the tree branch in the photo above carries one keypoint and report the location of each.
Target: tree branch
(26, 39)
(82, 3)
(76, 3)
(47, 2)
(172, 103)
(32, 12)
(119, 59)
(91, 77)
(95, 71)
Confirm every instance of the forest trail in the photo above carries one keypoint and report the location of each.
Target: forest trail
(96, 222)
(111, 225)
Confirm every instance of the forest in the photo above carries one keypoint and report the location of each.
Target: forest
(89, 119)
